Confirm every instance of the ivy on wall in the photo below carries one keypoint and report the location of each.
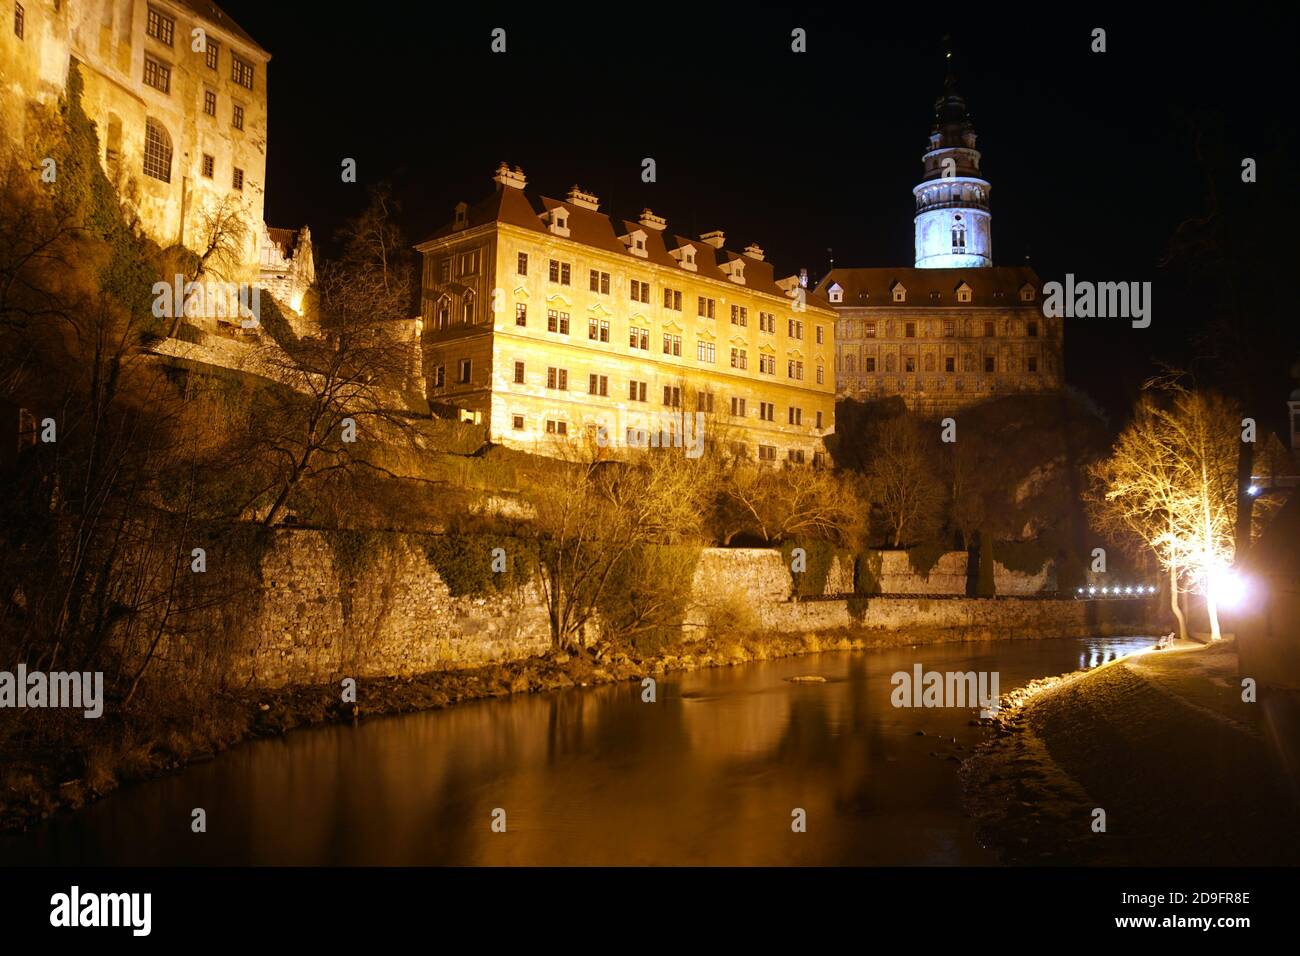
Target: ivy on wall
(465, 563)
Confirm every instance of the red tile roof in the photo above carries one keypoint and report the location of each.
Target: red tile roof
(863, 287)
(589, 227)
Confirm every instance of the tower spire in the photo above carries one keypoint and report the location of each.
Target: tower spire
(953, 222)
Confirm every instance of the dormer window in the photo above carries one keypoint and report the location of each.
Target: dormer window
(735, 270)
(685, 257)
(900, 294)
(559, 224)
(1027, 293)
(635, 242)
(836, 292)
(963, 292)
(462, 216)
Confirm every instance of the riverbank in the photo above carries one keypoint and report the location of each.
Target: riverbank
(95, 757)
(1186, 772)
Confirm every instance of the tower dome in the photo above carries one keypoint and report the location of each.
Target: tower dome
(953, 221)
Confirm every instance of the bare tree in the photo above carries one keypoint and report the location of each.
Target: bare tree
(902, 481)
(1169, 485)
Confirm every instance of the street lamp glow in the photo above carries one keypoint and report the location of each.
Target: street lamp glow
(1228, 588)
(1253, 490)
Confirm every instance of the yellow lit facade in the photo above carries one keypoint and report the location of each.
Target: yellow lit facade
(551, 321)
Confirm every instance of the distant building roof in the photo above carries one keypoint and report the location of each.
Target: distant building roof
(286, 239)
(989, 286)
(214, 14)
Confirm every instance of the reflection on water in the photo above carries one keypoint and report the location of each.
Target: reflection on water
(708, 775)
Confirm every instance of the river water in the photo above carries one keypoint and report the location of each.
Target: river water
(710, 773)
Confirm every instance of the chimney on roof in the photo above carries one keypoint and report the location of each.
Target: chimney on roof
(650, 221)
(506, 176)
(754, 251)
(715, 238)
(803, 278)
(584, 199)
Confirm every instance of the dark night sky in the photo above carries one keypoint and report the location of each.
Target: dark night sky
(1091, 156)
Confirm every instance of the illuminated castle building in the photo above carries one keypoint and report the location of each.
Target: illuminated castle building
(953, 329)
(547, 319)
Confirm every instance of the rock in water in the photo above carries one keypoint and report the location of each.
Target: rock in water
(807, 679)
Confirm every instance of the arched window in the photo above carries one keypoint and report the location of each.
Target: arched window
(444, 311)
(157, 151)
(958, 237)
(467, 306)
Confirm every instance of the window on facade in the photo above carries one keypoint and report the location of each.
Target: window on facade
(794, 328)
(988, 363)
(767, 364)
(767, 453)
(517, 422)
(160, 26)
(157, 74)
(794, 416)
(519, 373)
(704, 402)
(870, 330)
(557, 322)
(554, 427)
(958, 238)
(598, 385)
(439, 376)
(157, 151)
(988, 330)
(598, 281)
(949, 328)
(557, 378)
(1032, 330)
(640, 291)
(466, 367)
(237, 179)
(963, 295)
(598, 330)
(636, 391)
(819, 419)
(672, 344)
(868, 364)
(739, 359)
(521, 314)
(909, 330)
(241, 71)
(211, 53)
(705, 352)
(673, 299)
(210, 102)
(705, 308)
(521, 264)
(821, 375)
(237, 116)
(737, 407)
(560, 272)
(1032, 363)
(766, 411)
(638, 338)
(950, 364)
(739, 315)
(909, 363)
(794, 369)
(820, 335)
(209, 166)
(673, 396)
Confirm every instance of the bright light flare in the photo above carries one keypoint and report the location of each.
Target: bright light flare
(1228, 588)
